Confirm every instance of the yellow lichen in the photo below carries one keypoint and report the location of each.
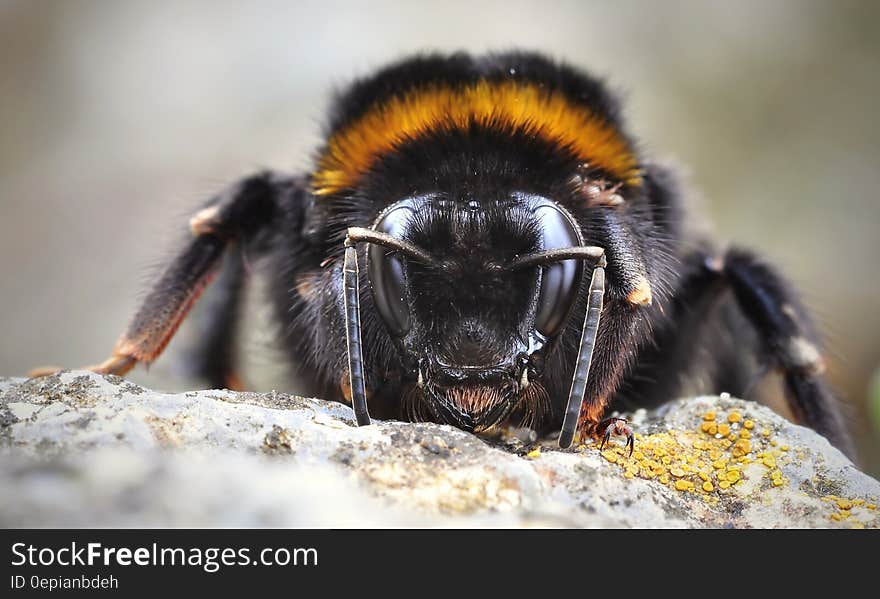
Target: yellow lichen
(849, 510)
(710, 459)
(684, 485)
(741, 448)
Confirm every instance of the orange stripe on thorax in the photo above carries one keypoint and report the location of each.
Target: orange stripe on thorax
(508, 106)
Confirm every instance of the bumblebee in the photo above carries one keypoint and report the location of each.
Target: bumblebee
(480, 241)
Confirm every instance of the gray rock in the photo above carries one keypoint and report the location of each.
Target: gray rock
(84, 450)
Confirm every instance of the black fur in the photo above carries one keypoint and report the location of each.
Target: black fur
(467, 309)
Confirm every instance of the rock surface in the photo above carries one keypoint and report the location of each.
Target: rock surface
(80, 449)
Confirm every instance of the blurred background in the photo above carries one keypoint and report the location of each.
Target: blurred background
(117, 118)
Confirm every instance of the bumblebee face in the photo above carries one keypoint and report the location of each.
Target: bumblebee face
(472, 325)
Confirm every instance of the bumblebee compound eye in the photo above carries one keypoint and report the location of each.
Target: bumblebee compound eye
(559, 280)
(387, 274)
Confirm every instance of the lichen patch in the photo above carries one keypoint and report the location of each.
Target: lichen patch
(721, 455)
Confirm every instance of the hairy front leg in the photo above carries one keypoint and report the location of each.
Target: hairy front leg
(235, 216)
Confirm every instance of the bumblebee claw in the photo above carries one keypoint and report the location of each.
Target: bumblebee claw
(617, 426)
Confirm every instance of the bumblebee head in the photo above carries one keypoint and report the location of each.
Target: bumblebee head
(465, 306)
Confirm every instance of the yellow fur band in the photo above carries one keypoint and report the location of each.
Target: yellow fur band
(506, 106)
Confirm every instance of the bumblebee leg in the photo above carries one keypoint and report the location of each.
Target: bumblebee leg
(703, 342)
(693, 344)
(626, 269)
(613, 231)
(237, 216)
(788, 337)
(616, 426)
(216, 320)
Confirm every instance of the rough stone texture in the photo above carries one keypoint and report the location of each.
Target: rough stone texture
(78, 449)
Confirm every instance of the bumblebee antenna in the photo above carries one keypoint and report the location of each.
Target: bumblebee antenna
(596, 255)
(356, 234)
(579, 252)
(351, 299)
(585, 355)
